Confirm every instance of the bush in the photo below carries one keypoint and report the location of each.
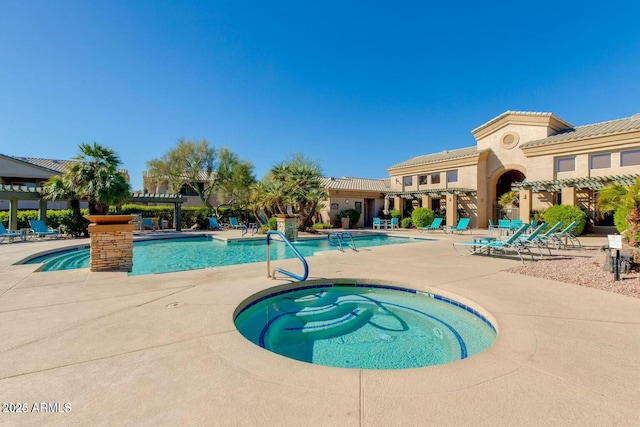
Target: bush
(422, 217)
(352, 214)
(272, 223)
(620, 219)
(406, 223)
(394, 213)
(263, 229)
(566, 214)
(321, 226)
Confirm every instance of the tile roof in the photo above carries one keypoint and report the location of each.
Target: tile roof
(438, 157)
(588, 131)
(57, 166)
(357, 184)
(508, 112)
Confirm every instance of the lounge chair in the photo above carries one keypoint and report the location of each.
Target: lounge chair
(566, 236)
(40, 229)
(4, 234)
(463, 225)
(531, 239)
(213, 223)
(485, 245)
(148, 223)
(376, 223)
(435, 225)
(394, 223)
(547, 238)
(233, 222)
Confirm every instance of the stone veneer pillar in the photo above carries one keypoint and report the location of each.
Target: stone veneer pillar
(288, 225)
(111, 245)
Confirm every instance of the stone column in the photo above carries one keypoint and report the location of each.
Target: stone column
(426, 202)
(288, 225)
(452, 210)
(569, 196)
(111, 244)
(525, 205)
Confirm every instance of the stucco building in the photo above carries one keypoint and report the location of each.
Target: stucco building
(545, 158)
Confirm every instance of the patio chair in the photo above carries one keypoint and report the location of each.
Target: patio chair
(213, 223)
(484, 245)
(463, 225)
(435, 225)
(531, 239)
(376, 223)
(547, 238)
(394, 223)
(40, 229)
(515, 224)
(492, 226)
(148, 223)
(233, 223)
(504, 226)
(4, 234)
(566, 236)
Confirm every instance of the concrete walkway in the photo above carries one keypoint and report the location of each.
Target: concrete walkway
(163, 350)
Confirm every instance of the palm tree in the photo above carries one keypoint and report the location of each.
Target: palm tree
(64, 187)
(616, 196)
(97, 177)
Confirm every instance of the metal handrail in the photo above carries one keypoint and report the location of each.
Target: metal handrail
(295, 251)
(352, 244)
(338, 240)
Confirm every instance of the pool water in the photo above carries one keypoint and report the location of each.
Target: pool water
(169, 255)
(365, 327)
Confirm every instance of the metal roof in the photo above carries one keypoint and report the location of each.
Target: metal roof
(441, 156)
(589, 131)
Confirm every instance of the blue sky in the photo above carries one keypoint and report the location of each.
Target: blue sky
(356, 86)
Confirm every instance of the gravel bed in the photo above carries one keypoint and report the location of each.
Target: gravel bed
(583, 267)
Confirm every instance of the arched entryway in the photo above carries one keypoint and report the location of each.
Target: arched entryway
(503, 185)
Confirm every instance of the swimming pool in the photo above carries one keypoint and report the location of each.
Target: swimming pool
(364, 326)
(170, 255)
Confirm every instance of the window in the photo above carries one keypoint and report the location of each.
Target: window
(630, 158)
(407, 181)
(452, 176)
(566, 164)
(435, 178)
(422, 179)
(335, 206)
(358, 206)
(601, 161)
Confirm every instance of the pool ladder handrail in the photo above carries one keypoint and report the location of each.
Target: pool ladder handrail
(340, 238)
(295, 251)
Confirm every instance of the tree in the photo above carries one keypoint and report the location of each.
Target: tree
(295, 186)
(97, 179)
(63, 187)
(616, 196)
(205, 170)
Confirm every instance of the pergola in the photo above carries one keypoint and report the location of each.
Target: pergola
(584, 183)
(431, 193)
(15, 193)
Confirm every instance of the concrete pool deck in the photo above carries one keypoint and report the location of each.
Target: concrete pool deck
(163, 350)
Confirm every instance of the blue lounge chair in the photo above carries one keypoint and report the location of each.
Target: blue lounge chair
(376, 223)
(213, 223)
(394, 223)
(488, 245)
(40, 229)
(4, 234)
(463, 225)
(547, 238)
(436, 224)
(566, 236)
(233, 222)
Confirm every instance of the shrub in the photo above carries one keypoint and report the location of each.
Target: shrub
(272, 223)
(263, 229)
(406, 222)
(537, 214)
(394, 213)
(321, 226)
(352, 214)
(620, 219)
(566, 214)
(422, 217)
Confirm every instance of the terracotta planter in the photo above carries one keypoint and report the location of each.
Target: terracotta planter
(110, 219)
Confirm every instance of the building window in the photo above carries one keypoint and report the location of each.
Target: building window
(566, 164)
(630, 158)
(335, 206)
(601, 161)
(422, 179)
(358, 206)
(452, 176)
(407, 181)
(435, 178)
